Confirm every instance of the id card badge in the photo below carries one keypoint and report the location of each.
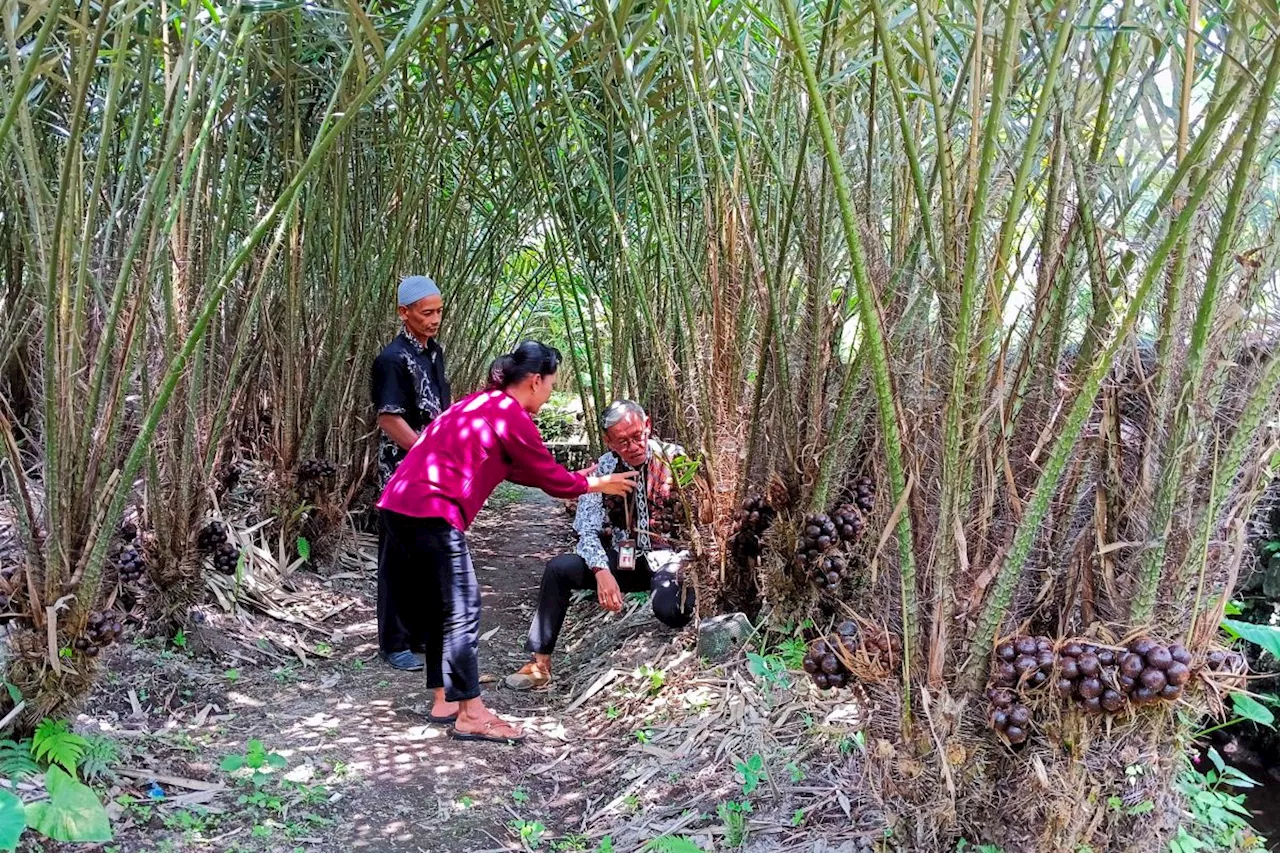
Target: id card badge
(626, 556)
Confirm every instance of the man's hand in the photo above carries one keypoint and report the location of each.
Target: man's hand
(607, 591)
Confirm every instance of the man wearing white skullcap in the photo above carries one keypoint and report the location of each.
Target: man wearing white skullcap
(409, 391)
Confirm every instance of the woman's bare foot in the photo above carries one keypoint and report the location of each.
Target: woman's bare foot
(476, 722)
(442, 708)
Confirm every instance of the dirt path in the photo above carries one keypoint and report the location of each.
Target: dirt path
(365, 770)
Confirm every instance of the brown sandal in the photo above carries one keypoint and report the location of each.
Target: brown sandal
(486, 734)
(530, 677)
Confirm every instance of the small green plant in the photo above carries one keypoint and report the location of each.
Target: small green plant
(612, 712)
(644, 735)
(198, 821)
(16, 762)
(232, 675)
(605, 845)
(100, 755)
(796, 771)
(632, 802)
(520, 795)
(358, 664)
(798, 817)
(466, 802)
(848, 743)
(571, 844)
(530, 831)
(286, 674)
(734, 817)
(965, 846)
(656, 678)
(686, 469)
(257, 759)
(792, 651)
(180, 639)
(1219, 820)
(671, 844)
(770, 669)
(752, 772)
(323, 649)
(55, 743)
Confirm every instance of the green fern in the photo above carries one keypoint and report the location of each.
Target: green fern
(16, 761)
(673, 844)
(55, 743)
(100, 755)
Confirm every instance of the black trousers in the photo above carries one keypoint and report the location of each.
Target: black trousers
(672, 604)
(399, 623)
(447, 611)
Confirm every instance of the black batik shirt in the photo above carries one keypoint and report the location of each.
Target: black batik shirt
(408, 380)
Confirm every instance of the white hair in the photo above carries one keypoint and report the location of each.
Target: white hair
(617, 410)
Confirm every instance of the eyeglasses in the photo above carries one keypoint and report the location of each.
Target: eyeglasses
(631, 441)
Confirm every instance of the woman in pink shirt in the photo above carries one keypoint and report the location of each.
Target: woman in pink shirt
(434, 496)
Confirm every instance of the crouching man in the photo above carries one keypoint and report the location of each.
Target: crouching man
(626, 544)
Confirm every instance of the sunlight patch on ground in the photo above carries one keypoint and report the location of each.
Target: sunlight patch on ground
(241, 699)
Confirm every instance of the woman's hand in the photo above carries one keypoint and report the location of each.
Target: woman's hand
(613, 484)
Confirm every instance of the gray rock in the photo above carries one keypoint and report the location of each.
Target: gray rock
(720, 636)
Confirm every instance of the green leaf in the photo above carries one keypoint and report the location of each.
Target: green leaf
(304, 548)
(1266, 636)
(1185, 842)
(72, 812)
(232, 763)
(14, 693)
(605, 845)
(16, 761)
(276, 760)
(55, 743)
(1253, 710)
(13, 820)
(673, 844)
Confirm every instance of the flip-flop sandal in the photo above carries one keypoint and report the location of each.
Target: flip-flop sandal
(444, 721)
(483, 734)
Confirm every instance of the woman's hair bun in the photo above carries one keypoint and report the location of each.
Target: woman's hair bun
(531, 358)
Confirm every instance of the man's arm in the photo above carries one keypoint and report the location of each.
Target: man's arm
(587, 522)
(397, 429)
(391, 399)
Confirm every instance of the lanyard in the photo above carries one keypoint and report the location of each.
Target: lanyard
(642, 487)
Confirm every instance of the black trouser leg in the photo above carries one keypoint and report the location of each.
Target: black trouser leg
(457, 599)
(672, 603)
(563, 575)
(399, 627)
(421, 547)
(560, 578)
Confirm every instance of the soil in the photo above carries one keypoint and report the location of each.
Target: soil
(365, 770)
